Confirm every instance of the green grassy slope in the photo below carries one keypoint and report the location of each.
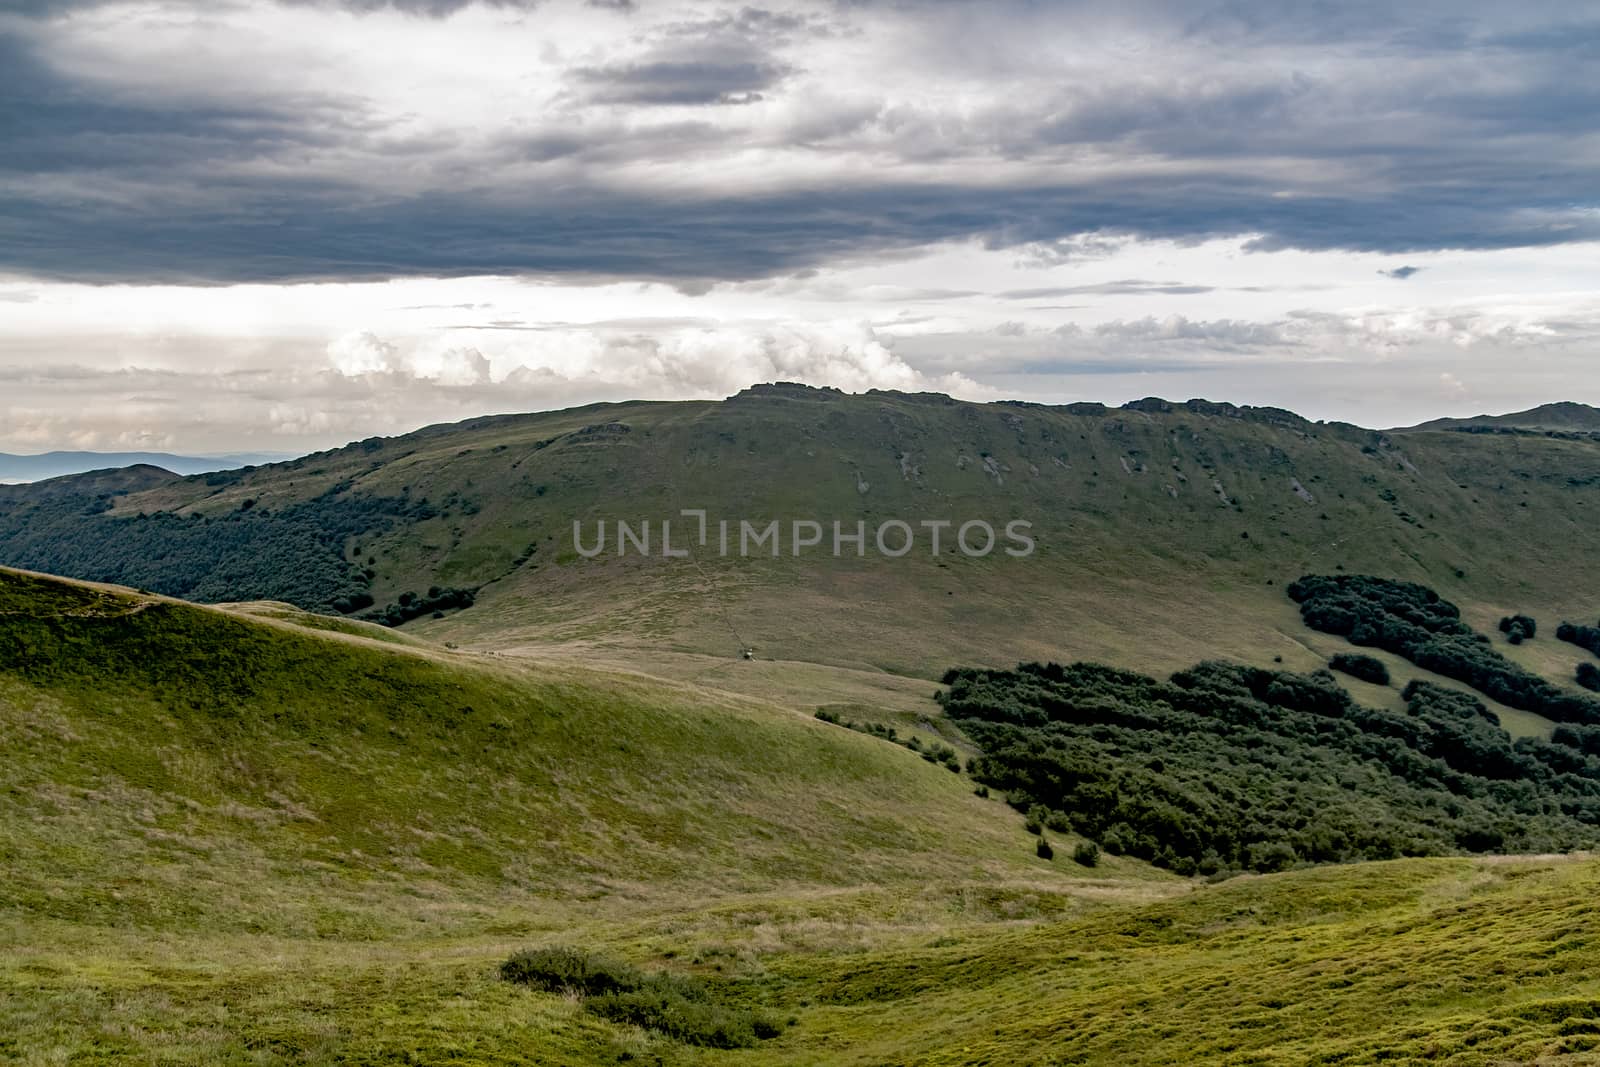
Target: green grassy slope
(1159, 526)
(1403, 962)
(231, 838)
(219, 829)
(326, 782)
(1411, 962)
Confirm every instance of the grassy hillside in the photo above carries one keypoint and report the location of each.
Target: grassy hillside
(239, 836)
(1456, 962)
(1136, 511)
(205, 793)
(144, 735)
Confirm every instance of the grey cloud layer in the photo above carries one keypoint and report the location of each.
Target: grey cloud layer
(1312, 127)
(424, 8)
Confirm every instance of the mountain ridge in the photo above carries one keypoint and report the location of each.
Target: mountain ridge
(1225, 503)
(1560, 416)
(15, 467)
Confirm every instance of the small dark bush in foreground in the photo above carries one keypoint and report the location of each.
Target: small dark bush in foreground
(566, 970)
(680, 1007)
(666, 1009)
(1043, 849)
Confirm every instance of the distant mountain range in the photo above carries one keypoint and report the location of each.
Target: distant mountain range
(14, 468)
(1565, 417)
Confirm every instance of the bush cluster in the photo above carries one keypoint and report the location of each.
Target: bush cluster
(1413, 621)
(934, 752)
(1224, 767)
(1519, 628)
(1367, 668)
(1589, 676)
(1583, 636)
(678, 1006)
(411, 606)
(567, 970)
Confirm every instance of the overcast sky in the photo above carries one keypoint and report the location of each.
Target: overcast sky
(283, 225)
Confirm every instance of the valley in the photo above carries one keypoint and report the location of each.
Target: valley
(273, 829)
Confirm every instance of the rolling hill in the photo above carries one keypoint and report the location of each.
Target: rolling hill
(420, 729)
(1164, 532)
(1565, 417)
(144, 731)
(187, 785)
(249, 835)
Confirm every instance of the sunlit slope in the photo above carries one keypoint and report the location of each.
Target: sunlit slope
(229, 838)
(1158, 526)
(1440, 961)
(179, 767)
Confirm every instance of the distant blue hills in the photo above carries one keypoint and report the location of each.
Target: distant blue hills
(15, 468)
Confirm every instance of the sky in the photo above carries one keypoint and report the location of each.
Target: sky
(286, 224)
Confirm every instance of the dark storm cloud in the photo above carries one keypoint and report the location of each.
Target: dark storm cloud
(51, 124)
(726, 59)
(1424, 132)
(703, 76)
(273, 231)
(43, 8)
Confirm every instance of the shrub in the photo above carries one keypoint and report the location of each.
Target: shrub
(1043, 850)
(680, 1007)
(668, 1010)
(1583, 636)
(1367, 668)
(944, 755)
(567, 970)
(411, 606)
(1087, 854)
(1589, 676)
(1272, 856)
(1519, 628)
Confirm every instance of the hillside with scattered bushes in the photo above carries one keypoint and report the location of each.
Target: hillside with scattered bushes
(1415, 622)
